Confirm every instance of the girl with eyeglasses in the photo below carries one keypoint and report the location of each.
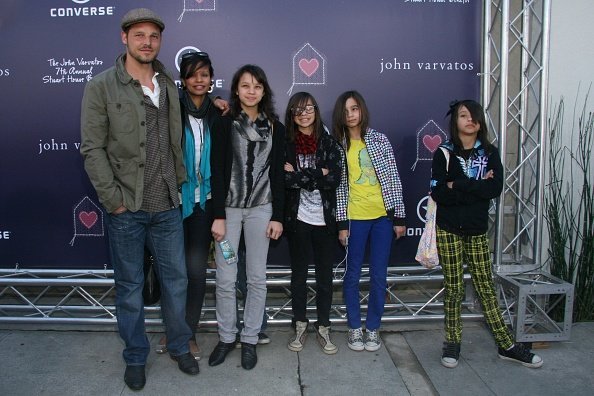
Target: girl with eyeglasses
(312, 173)
(248, 194)
(369, 209)
(198, 114)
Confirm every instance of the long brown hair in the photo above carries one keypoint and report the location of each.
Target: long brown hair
(478, 115)
(339, 129)
(266, 105)
(300, 99)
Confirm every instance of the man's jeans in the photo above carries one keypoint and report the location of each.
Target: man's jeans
(162, 232)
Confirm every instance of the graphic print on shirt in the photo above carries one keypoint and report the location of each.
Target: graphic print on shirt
(306, 161)
(476, 165)
(310, 203)
(367, 172)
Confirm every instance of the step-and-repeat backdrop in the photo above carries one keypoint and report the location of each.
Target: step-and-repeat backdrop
(409, 59)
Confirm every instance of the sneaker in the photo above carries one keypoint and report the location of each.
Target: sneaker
(298, 341)
(372, 340)
(520, 354)
(263, 339)
(450, 355)
(323, 336)
(355, 341)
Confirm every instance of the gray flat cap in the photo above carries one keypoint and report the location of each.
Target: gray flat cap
(139, 15)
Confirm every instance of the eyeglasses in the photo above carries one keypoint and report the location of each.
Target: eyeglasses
(307, 109)
(192, 55)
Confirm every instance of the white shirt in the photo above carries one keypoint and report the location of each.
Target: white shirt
(153, 95)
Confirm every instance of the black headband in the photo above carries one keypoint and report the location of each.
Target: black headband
(453, 104)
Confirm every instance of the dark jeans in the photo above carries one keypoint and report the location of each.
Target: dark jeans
(197, 240)
(162, 232)
(311, 241)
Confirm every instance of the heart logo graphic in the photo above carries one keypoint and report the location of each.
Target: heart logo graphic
(88, 218)
(432, 142)
(309, 67)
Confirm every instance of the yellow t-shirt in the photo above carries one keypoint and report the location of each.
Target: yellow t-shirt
(365, 192)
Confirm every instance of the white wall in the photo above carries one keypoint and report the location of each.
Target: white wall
(572, 49)
(571, 68)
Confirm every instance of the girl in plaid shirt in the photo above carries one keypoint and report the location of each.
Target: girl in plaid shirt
(370, 208)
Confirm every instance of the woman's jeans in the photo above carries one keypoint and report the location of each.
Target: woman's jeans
(197, 237)
(254, 222)
(306, 242)
(379, 233)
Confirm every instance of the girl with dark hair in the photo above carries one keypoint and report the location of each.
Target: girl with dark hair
(198, 114)
(312, 173)
(463, 182)
(369, 208)
(248, 194)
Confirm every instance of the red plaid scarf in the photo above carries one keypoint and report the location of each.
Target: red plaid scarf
(305, 144)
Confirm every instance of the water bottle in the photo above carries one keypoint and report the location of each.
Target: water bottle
(228, 253)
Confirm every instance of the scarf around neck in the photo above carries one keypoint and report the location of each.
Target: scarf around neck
(195, 178)
(256, 131)
(305, 144)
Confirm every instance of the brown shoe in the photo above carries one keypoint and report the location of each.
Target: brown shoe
(162, 345)
(195, 349)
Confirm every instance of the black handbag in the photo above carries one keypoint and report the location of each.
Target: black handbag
(152, 289)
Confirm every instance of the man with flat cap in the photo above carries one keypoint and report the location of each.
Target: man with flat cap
(131, 144)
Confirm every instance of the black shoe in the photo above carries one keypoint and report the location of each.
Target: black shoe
(134, 377)
(450, 355)
(220, 352)
(248, 356)
(520, 354)
(187, 363)
(263, 339)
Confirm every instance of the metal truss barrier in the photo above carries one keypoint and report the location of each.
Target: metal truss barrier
(537, 305)
(86, 297)
(514, 93)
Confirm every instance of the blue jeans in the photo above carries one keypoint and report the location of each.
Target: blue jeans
(162, 232)
(379, 232)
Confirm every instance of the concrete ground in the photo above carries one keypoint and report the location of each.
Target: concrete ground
(50, 362)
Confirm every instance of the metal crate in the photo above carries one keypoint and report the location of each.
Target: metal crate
(538, 306)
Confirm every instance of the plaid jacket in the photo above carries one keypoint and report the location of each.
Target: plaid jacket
(383, 161)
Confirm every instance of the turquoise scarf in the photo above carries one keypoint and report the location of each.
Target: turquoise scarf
(195, 179)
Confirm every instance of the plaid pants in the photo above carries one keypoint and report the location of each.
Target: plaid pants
(453, 251)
